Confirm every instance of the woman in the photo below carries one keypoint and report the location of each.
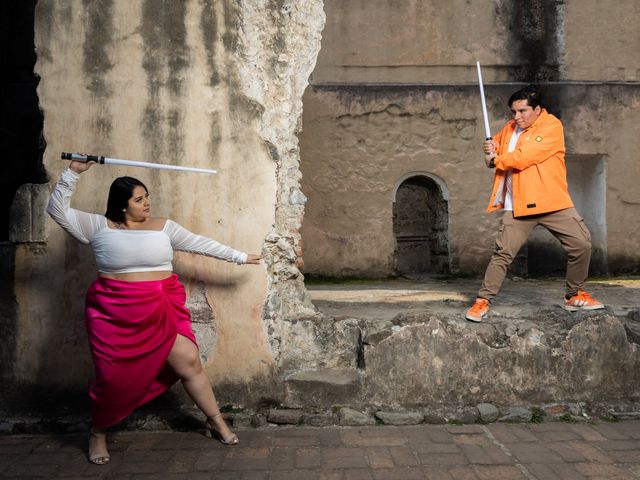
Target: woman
(138, 326)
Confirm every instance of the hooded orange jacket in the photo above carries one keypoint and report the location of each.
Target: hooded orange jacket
(538, 169)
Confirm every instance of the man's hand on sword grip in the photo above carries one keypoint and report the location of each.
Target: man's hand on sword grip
(489, 149)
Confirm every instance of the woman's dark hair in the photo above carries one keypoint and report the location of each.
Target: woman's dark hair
(120, 192)
(530, 93)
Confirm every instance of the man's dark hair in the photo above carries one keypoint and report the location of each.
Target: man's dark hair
(530, 93)
(120, 192)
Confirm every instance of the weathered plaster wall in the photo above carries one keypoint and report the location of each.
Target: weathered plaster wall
(416, 41)
(603, 120)
(601, 40)
(358, 142)
(213, 84)
(395, 93)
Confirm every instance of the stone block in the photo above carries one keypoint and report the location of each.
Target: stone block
(324, 387)
(434, 419)
(28, 213)
(242, 420)
(626, 415)
(437, 360)
(258, 420)
(350, 417)
(400, 418)
(319, 419)
(488, 413)
(515, 415)
(285, 416)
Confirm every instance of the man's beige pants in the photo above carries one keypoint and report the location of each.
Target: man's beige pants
(566, 225)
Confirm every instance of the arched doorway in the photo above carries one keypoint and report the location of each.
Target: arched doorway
(420, 225)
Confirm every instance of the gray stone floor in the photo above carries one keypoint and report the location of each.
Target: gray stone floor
(518, 298)
(548, 451)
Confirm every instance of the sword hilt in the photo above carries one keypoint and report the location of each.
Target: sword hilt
(82, 158)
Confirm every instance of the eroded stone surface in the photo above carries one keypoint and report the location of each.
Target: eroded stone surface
(27, 213)
(515, 414)
(447, 362)
(202, 320)
(399, 418)
(323, 387)
(488, 412)
(350, 417)
(285, 416)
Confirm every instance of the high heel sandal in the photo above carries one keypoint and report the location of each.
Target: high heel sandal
(212, 432)
(98, 458)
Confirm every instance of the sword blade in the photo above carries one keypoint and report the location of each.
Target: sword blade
(132, 163)
(158, 166)
(485, 117)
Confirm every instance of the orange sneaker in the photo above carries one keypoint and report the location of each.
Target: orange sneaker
(582, 301)
(478, 310)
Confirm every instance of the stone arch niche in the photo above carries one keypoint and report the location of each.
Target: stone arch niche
(421, 224)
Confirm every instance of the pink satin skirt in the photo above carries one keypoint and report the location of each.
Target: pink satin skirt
(132, 327)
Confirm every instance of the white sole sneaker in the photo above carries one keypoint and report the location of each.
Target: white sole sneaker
(475, 319)
(575, 308)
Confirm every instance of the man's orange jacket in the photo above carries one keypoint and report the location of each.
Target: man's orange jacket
(537, 164)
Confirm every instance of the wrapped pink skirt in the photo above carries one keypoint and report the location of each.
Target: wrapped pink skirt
(132, 327)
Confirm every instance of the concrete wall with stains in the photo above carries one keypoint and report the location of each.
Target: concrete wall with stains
(394, 94)
(207, 83)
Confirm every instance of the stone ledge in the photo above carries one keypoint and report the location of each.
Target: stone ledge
(192, 419)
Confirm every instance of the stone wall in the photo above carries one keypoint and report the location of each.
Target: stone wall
(427, 41)
(220, 84)
(395, 95)
(214, 84)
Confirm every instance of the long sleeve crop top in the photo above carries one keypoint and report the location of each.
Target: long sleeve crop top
(124, 251)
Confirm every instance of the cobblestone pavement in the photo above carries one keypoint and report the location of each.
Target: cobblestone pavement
(548, 451)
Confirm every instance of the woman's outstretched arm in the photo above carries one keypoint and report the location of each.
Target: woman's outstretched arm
(184, 240)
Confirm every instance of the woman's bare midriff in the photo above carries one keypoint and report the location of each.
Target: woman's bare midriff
(138, 276)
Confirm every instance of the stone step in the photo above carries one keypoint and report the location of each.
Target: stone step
(324, 387)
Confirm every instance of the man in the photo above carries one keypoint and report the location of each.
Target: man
(530, 185)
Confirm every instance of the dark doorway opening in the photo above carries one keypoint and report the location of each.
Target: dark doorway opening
(420, 227)
(21, 119)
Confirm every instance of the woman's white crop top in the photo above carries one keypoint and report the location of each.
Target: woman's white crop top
(124, 251)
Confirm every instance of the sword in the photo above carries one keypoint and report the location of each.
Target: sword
(130, 163)
(487, 131)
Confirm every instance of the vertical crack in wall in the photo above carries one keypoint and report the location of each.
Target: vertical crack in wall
(279, 43)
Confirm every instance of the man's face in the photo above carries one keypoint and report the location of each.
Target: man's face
(524, 114)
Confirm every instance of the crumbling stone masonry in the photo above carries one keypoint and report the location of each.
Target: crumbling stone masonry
(204, 83)
(220, 84)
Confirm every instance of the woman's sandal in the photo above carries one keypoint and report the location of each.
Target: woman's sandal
(98, 458)
(211, 432)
